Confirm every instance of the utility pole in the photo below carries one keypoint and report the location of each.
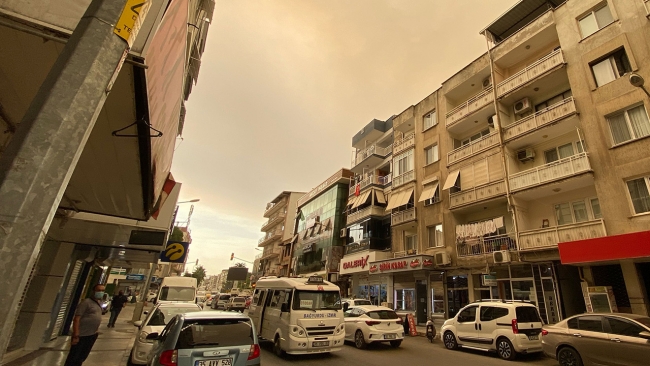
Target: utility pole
(37, 165)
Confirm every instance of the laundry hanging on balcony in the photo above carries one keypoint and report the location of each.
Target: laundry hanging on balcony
(478, 229)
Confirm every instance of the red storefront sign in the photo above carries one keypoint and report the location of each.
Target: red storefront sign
(393, 265)
(362, 262)
(412, 329)
(608, 248)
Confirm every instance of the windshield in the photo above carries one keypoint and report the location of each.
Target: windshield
(162, 316)
(527, 314)
(201, 333)
(224, 297)
(177, 294)
(317, 300)
(382, 314)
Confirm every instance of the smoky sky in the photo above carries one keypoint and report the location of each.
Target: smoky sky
(285, 84)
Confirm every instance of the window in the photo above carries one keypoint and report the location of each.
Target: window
(163, 315)
(411, 242)
(624, 327)
(639, 195)
(431, 154)
(430, 120)
(611, 68)
(177, 293)
(316, 300)
(590, 323)
(405, 300)
(436, 239)
(527, 314)
(572, 212)
(490, 313)
(629, 125)
(202, 333)
(474, 137)
(382, 314)
(467, 315)
(595, 208)
(558, 153)
(595, 20)
(554, 100)
(403, 163)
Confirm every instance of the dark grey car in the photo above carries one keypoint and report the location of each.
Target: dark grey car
(206, 338)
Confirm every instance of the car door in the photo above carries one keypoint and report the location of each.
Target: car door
(588, 337)
(466, 326)
(351, 322)
(626, 346)
(489, 322)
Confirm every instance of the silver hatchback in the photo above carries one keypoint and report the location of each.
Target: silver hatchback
(206, 338)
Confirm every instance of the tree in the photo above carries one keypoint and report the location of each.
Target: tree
(177, 234)
(199, 273)
(240, 265)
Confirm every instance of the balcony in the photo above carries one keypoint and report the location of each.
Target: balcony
(270, 238)
(371, 179)
(271, 207)
(364, 213)
(403, 143)
(533, 71)
(372, 155)
(563, 168)
(477, 194)
(403, 178)
(473, 148)
(268, 254)
(540, 119)
(548, 238)
(273, 221)
(402, 217)
(405, 253)
(486, 245)
(475, 103)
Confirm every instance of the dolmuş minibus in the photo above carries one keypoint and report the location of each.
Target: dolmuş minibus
(299, 315)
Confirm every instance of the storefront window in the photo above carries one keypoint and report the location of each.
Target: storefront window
(405, 300)
(521, 271)
(524, 290)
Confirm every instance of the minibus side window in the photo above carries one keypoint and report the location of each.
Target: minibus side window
(261, 297)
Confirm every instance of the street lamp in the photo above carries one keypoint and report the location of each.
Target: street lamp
(637, 80)
(194, 200)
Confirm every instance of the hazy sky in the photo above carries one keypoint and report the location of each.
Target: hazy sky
(285, 84)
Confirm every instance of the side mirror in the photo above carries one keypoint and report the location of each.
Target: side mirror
(645, 335)
(152, 336)
(137, 323)
(346, 306)
(284, 308)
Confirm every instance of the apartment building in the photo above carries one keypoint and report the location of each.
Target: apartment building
(278, 232)
(526, 176)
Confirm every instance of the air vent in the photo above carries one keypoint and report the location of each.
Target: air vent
(442, 259)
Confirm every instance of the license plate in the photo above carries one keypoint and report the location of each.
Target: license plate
(390, 336)
(533, 337)
(320, 344)
(219, 362)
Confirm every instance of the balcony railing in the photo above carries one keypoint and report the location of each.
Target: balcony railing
(549, 237)
(272, 206)
(486, 245)
(403, 143)
(475, 103)
(369, 151)
(472, 148)
(273, 221)
(385, 180)
(563, 168)
(405, 253)
(540, 119)
(270, 253)
(269, 237)
(403, 216)
(477, 194)
(404, 178)
(366, 212)
(371, 179)
(532, 71)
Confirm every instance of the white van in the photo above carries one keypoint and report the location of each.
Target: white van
(177, 289)
(300, 315)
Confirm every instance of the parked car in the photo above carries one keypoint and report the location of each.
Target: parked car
(507, 327)
(599, 339)
(236, 303)
(369, 324)
(208, 302)
(355, 302)
(155, 321)
(220, 302)
(206, 338)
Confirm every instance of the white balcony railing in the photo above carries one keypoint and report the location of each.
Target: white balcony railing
(369, 151)
(270, 237)
(563, 168)
(549, 237)
(404, 178)
(532, 71)
(540, 119)
(403, 216)
(486, 245)
(477, 194)
(472, 148)
(371, 179)
(474, 103)
(366, 212)
(404, 143)
(405, 253)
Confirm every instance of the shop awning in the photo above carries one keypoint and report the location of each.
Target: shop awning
(428, 192)
(404, 199)
(451, 179)
(394, 198)
(607, 248)
(381, 199)
(363, 197)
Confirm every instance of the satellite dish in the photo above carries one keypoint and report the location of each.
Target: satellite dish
(636, 80)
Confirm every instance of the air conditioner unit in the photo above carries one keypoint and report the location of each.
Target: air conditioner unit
(487, 82)
(522, 106)
(525, 154)
(442, 259)
(491, 120)
(501, 256)
(411, 252)
(344, 233)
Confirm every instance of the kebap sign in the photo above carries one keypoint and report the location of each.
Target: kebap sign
(402, 264)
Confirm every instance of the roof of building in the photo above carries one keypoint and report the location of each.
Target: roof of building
(520, 14)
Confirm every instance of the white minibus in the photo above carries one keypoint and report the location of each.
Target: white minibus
(177, 289)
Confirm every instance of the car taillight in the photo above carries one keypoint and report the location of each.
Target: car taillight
(515, 330)
(254, 352)
(400, 321)
(372, 322)
(169, 358)
(544, 332)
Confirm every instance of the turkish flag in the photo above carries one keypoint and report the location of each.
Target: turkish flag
(357, 189)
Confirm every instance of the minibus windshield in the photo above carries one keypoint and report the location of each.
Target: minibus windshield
(316, 300)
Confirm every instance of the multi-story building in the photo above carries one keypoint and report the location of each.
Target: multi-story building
(278, 232)
(534, 185)
(317, 247)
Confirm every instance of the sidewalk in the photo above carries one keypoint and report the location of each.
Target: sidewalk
(111, 349)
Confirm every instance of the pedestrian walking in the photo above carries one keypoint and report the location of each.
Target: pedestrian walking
(117, 304)
(85, 324)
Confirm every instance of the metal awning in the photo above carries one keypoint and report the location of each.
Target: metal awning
(451, 179)
(518, 16)
(428, 192)
(363, 198)
(405, 198)
(394, 198)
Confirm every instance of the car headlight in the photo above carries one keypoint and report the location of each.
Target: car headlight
(298, 331)
(143, 337)
(340, 328)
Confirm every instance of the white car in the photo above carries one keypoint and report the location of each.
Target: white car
(355, 302)
(507, 327)
(369, 324)
(154, 323)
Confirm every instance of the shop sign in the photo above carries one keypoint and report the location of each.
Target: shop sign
(135, 277)
(488, 280)
(402, 264)
(362, 262)
(357, 262)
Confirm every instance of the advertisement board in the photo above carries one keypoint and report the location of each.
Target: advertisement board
(237, 274)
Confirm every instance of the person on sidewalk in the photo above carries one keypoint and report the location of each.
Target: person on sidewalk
(85, 324)
(117, 304)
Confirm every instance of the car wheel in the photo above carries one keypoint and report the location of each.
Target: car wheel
(129, 362)
(359, 342)
(568, 356)
(450, 340)
(505, 350)
(277, 347)
(395, 344)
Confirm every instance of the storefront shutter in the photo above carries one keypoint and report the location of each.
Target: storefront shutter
(65, 304)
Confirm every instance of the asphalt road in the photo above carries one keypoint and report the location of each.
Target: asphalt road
(413, 351)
